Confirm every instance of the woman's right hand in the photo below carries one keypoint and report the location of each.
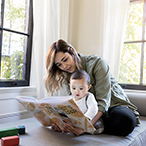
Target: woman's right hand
(55, 127)
(69, 128)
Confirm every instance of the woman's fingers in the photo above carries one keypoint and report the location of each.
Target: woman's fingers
(55, 127)
(68, 128)
(72, 130)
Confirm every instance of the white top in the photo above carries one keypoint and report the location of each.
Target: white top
(92, 106)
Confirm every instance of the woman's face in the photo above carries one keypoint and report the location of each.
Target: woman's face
(65, 62)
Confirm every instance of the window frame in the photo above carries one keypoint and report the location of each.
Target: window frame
(140, 86)
(26, 81)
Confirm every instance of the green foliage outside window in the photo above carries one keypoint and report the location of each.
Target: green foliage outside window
(14, 45)
(131, 54)
(12, 66)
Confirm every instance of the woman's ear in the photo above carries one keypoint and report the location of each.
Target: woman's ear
(89, 86)
(70, 85)
(72, 50)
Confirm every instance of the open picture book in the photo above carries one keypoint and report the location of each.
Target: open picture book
(58, 110)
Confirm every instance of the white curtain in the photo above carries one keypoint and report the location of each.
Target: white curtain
(50, 24)
(102, 30)
(114, 26)
(92, 27)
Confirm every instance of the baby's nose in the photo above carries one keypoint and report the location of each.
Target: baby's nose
(77, 90)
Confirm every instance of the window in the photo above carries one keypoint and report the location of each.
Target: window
(16, 28)
(132, 73)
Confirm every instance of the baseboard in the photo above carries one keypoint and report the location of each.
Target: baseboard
(14, 116)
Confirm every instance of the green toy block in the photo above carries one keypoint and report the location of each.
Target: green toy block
(8, 132)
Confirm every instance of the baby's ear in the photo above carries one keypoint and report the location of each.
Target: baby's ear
(89, 86)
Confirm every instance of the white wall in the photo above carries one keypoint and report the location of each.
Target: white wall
(83, 15)
(10, 108)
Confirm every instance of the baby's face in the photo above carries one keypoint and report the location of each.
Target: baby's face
(79, 88)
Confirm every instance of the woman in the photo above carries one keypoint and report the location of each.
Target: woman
(115, 109)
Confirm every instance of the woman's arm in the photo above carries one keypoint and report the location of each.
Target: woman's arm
(97, 117)
(99, 72)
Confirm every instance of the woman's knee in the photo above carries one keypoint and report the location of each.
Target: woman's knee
(120, 121)
(128, 123)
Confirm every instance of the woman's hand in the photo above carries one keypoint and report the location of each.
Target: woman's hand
(97, 117)
(69, 128)
(55, 127)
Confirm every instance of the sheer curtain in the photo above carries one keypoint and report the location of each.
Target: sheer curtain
(92, 27)
(114, 26)
(102, 30)
(50, 24)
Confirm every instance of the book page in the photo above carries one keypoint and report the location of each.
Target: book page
(30, 104)
(63, 109)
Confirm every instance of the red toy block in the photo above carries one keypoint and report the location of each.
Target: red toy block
(10, 141)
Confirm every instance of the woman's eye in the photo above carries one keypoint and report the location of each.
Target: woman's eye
(58, 65)
(65, 59)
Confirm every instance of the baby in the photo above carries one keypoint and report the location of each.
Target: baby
(79, 86)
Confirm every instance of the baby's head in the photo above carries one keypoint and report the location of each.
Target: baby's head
(79, 84)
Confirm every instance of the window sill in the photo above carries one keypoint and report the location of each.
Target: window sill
(11, 92)
(135, 91)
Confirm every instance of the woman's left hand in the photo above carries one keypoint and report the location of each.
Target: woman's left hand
(69, 128)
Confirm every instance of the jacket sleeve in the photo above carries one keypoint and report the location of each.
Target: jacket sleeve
(101, 81)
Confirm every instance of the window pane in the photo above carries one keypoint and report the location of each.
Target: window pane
(13, 52)
(130, 64)
(134, 23)
(144, 69)
(16, 15)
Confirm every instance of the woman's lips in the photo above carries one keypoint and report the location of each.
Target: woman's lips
(69, 69)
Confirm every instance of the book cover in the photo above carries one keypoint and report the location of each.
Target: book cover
(58, 110)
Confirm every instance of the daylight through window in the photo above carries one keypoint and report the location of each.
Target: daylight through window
(133, 59)
(15, 42)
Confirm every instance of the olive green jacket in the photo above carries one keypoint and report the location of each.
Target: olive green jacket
(105, 88)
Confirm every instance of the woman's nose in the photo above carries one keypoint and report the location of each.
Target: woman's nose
(63, 65)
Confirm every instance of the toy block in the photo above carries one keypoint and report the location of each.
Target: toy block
(21, 129)
(10, 141)
(8, 132)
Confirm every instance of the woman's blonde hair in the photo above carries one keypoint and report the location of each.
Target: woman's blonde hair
(55, 77)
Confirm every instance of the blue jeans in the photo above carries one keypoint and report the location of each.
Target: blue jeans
(119, 120)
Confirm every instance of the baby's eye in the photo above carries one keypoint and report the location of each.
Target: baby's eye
(81, 88)
(73, 88)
